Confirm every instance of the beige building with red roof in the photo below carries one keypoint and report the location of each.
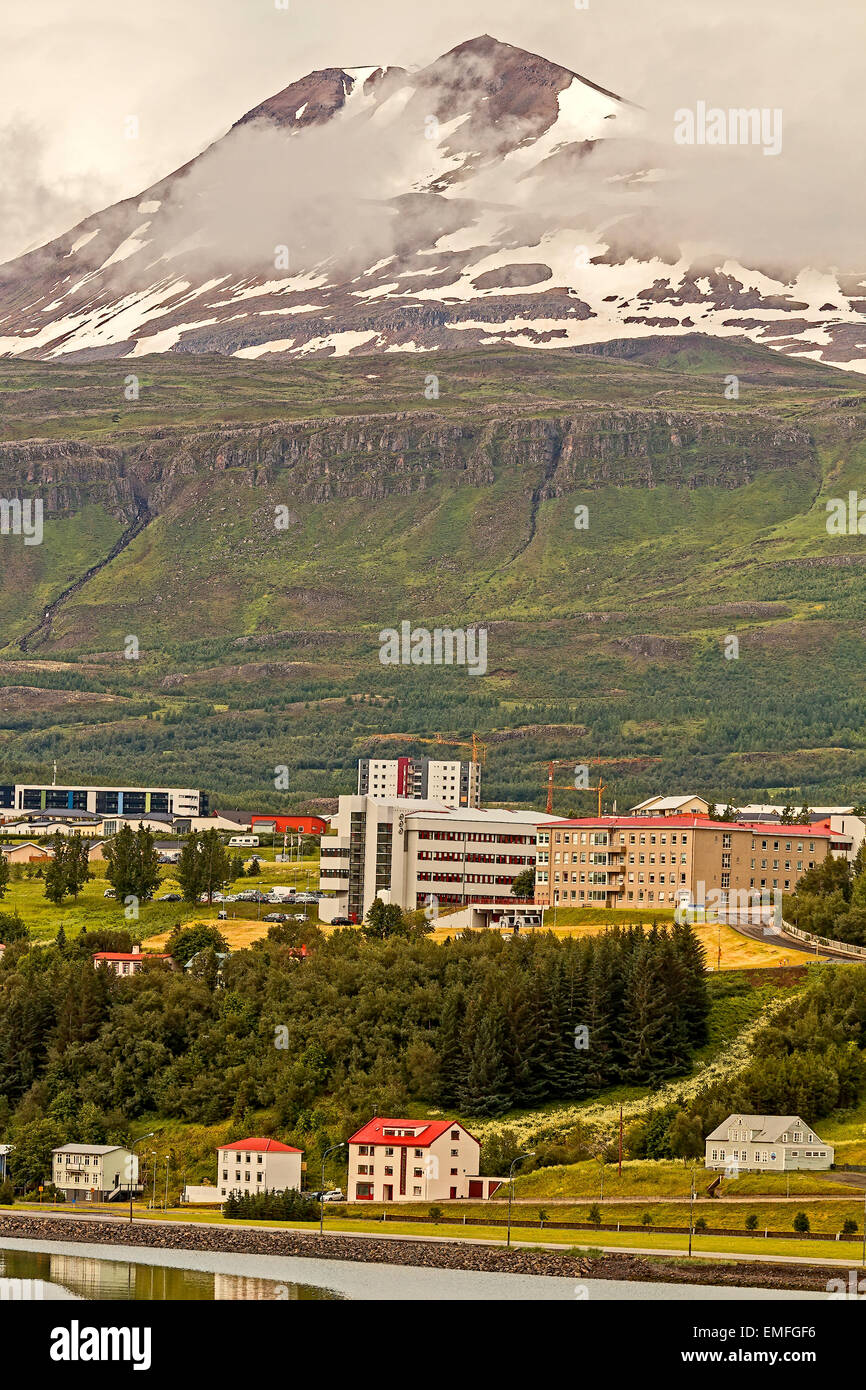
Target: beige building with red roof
(662, 860)
(415, 1161)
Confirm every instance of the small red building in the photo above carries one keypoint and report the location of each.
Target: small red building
(288, 825)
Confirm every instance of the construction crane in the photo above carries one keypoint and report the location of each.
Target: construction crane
(552, 786)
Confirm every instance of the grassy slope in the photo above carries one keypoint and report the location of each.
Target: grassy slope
(668, 561)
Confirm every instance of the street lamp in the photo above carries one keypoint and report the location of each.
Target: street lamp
(333, 1150)
(518, 1159)
(692, 1210)
(132, 1150)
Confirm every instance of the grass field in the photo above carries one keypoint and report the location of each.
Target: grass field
(156, 920)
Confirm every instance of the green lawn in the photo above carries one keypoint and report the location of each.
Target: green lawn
(93, 910)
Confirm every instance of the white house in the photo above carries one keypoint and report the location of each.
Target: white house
(671, 806)
(258, 1165)
(766, 1143)
(415, 1160)
(94, 1172)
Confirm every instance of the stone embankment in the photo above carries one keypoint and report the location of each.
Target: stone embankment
(427, 1254)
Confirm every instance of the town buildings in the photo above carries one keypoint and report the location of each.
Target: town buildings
(288, 825)
(671, 806)
(649, 861)
(766, 1143)
(102, 800)
(415, 1160)
(94, 1172)
(258, 1165)
(127, 962)
(409, 852)
(449, 781)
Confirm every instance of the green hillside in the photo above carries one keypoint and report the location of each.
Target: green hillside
(259, 646)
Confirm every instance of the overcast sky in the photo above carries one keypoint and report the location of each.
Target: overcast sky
(71, 74)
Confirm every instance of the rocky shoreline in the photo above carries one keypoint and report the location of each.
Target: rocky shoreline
(425, 1254)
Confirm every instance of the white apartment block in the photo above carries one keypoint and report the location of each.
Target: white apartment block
(766, 1143)
(94, 1172)
(258, 1165)
(448, 780)
(415, 1161)
(102, 800)
(409, 853)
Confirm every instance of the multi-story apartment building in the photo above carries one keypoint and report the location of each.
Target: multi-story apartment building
(649, 861)
(102, 800)
(258, 1165)
(450, 781)
(94, 1172)
(415, 1160)
(408, 852)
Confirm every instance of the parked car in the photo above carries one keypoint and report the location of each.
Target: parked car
(275, 917)
(222, 915)
(170, 898)
(335, 1195)
(109, 893)
(341, 921)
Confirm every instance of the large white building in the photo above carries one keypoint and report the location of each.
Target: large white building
(94, 1172)
(766, 1143)
(258, 1165)
(415, 1160)
(448, 780)
(102, 800)
(409, 853)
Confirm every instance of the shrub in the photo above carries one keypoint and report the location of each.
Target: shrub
(647, 1218)
(272, 1206)
(435, 1214)
(595, 1214)
(701, 1223)
(849, 1227)
(7, 1194)
(751, 1222)
(801, 1223)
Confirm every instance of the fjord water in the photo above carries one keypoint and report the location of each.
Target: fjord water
(28, 1274)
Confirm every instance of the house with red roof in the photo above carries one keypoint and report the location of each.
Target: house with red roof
(258, 1165)
(415, 1161)
(128, 962)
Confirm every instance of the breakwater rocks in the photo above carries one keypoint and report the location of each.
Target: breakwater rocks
(455, 1254)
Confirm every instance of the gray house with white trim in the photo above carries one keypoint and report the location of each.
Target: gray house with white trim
(766, 1143)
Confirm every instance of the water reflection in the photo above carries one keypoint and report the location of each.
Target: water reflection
(121, 1280)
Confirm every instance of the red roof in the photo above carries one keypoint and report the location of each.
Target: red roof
(129, 955)
(373, 1132)
(261, 1146)
(689, 822)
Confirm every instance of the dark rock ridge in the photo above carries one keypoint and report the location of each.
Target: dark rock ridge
(373, 457)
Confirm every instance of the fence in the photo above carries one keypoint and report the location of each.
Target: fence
(841, 947)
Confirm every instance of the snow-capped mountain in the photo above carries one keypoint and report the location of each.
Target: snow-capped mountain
(492, 197)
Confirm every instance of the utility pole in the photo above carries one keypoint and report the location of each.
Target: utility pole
(620, 1142)
(165, 1203)
(692, 1211)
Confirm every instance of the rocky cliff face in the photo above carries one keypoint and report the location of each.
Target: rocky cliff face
(373, 457)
